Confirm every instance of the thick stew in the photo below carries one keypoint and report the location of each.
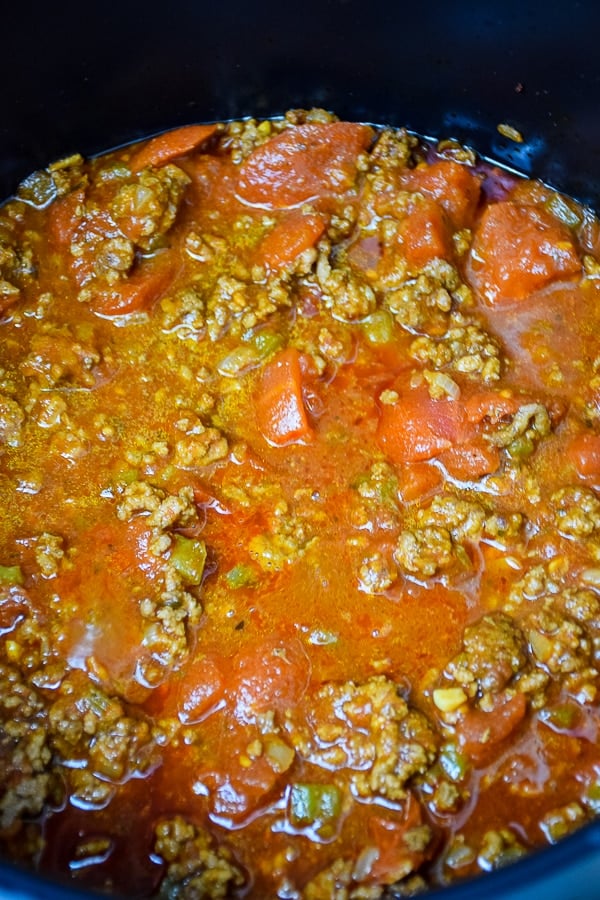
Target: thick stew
(300, 531)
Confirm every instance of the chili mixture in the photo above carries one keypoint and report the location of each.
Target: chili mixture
(300, 533)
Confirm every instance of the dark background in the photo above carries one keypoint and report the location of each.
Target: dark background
(89, 76)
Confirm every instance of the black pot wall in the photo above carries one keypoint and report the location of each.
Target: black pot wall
(91, 76)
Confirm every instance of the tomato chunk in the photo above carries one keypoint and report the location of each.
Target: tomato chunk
(139, 291)
(425, 234)
(481, 732)
(290, 237)
(395, 857)
(281, 412)
(584, 453)
(170, 145)
(518, 250)
(456, 188)
(416, 427)
(201, 690)
(303, 163)
(273, 675)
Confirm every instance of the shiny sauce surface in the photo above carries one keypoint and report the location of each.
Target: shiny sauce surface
(300, 531)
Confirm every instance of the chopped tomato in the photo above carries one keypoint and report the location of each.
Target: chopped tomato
(481, 732)
(518, 250)
(395, 858)
(584, 453)
(303, 163)
(139, 291)
(290, 237)
(273, 675)
(425, 234)
(280, 408)
(490, 405)
(201, 690)
(456, 188)
(417, 481)
(416, 427)
(64, 218)
(473, 458)
(170, 145)
(365, 253)
(242, 784)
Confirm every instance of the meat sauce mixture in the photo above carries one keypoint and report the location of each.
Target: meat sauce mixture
(300, 533)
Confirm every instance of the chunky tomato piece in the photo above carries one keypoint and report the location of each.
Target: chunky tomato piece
(454, 186)
(425, 234)
(303, 163)
(393, 857)
(518, 250)
(280, 407)
(290, 237)
(584, 453)
(415, 427)
(170, 145)
(273, 675)
(481, 733)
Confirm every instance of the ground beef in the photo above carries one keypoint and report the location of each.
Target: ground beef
(442, 532)
(376, 574)
(184, 312)
(576, 512)
(58, 358)
(86, 724)
(424, 303)
(337, 882)
(200, 447)
(499, 848)
(563, 646)
(165, 510)
(535, 583)
(466, 349)
(564, 820)
(235, 305)
(391, 152)
(196, 869)
(166, 637)
(145, 208)
(370, 730)
(378, 507)
(17, 262)
(348, 295)
(57, 180)
(48, 553)
(87, 790)
(25, 755)
(464, 519)
(529, 425)
(494, 651)
(426, 551)
(12, 419)
(286, 540)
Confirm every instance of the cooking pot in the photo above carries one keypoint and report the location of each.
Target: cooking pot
(85, 77)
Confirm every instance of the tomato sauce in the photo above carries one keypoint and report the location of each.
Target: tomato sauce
(300, 543)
